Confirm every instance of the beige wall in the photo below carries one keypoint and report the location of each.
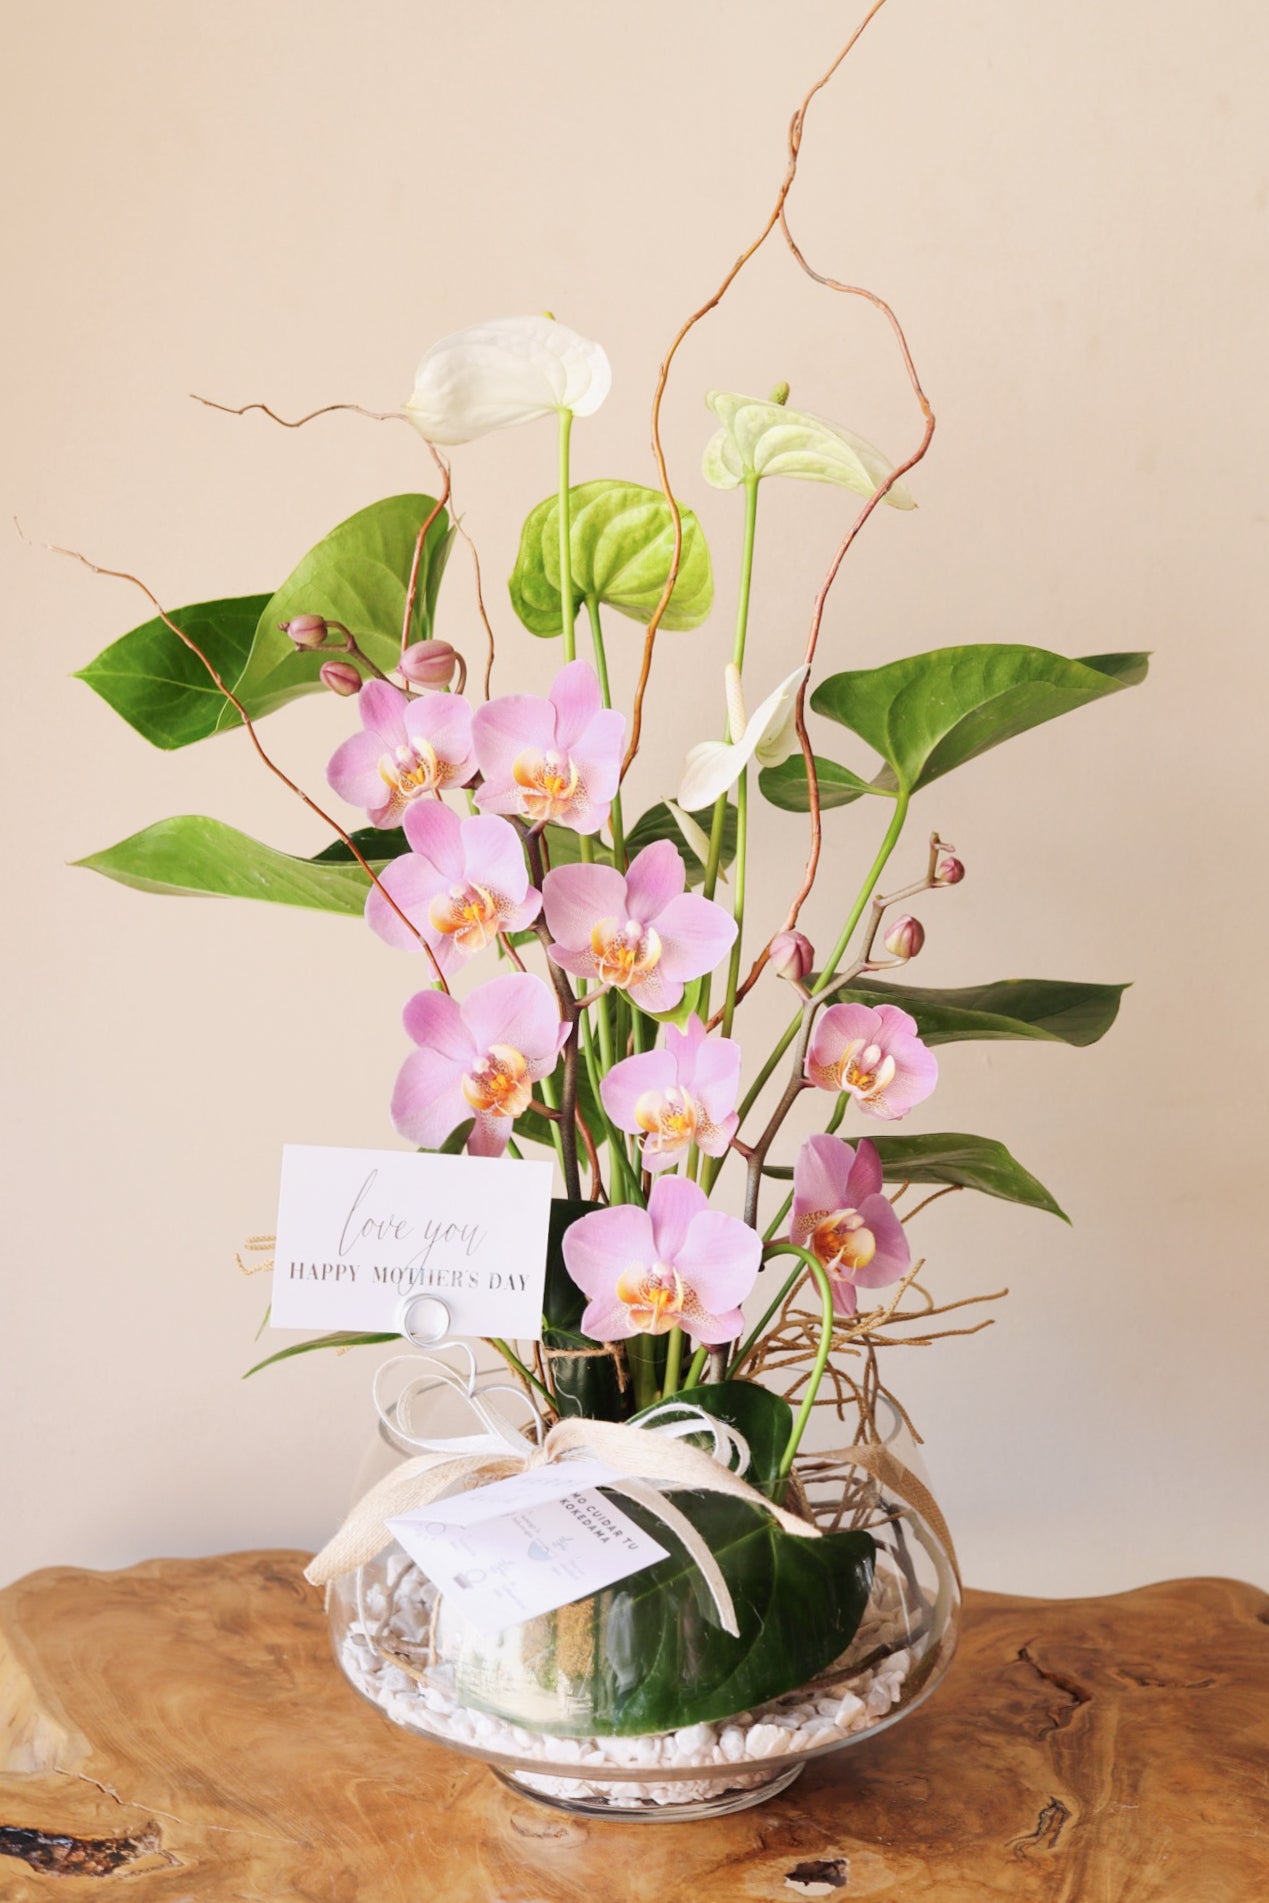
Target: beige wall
(288, 201)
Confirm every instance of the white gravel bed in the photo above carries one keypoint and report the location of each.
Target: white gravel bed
(799, 1721)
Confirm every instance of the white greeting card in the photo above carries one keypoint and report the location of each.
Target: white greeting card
(507, 1552)
(359, 1230)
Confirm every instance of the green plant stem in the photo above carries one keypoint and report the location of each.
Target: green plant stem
(601, 669)
(738, 904)
(835, 957)
(513, 1360)
(623, 1182)
(641, 1358)
(813, 1263)
(696, 1370)
(714, 861)
(746, 1346)
(673, 1362)
(550, 1098)
(566, 542)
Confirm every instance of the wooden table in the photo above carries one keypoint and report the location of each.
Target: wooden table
(178, 1733)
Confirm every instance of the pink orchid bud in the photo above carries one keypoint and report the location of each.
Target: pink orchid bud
(950, 872)
(792, 956)
(307, 631)
(429, 663)
(905, 937)
(340, 676)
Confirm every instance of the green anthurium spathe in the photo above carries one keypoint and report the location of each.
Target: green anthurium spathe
(760, 438)
(621, 538)
(932, 712)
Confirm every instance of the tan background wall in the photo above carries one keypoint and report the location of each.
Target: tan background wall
(289, 201)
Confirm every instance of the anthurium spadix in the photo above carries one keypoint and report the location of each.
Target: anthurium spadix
(759, 438)
(508, 371)
(768, 735)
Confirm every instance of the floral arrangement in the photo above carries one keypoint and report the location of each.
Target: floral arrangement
(577, 972)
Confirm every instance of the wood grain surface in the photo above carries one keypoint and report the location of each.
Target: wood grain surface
(178, 1733)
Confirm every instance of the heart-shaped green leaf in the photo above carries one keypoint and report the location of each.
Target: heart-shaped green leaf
(648, 1655)
(195, 855)
(946, 1156)
(358, 574)
(786, 785)
(759, 438)
(621, 540)
(162, 689)
(1049, 1009)
(932, 712)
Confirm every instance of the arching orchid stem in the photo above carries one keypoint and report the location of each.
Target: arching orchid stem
(569, 1011)
(692, 1379)
(117, 574)
(673, 1363)
(663, 377)
(568, 625)
(615, 819)
(825, 1287)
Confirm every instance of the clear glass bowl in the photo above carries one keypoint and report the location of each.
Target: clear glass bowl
(399, 1648)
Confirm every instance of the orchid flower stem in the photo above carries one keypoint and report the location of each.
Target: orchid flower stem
(623, 1183)
(835, 957)
(673, 1362)
(746, 1348)
(696, 1370)
(513, 1361)
(825, 1287)
(641, 1360)
(549, 1097)
(601, 669)
(566, 543)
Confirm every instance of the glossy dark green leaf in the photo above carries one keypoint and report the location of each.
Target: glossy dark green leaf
(929, 713)
(586, 1382)
(1050, 1010)
(763, 1417)
(786, 785)
(163, 690)
(358, 574)
(647, 1655)
(342, 1340)
(192, 855)
(948, 1157)
(659, 823)
(621, 541)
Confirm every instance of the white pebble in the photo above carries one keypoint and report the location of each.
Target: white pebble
(732, 1744)
(694, 1741)
(763, 1741)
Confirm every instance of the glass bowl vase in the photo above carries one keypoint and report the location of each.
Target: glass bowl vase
(525, 1702)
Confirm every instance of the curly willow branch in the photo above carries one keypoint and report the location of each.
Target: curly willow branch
(118, 574)
(774, 218)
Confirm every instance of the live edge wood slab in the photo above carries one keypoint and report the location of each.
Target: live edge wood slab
(178, 1733)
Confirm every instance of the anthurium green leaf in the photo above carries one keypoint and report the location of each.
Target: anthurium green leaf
(760, 438)
(932, 712)
(1050, 1009)
(359, 575)
(160, 687)
(786, 785)
(341, 1340)
(376, 843)
(764, 1418)
(966, 1162)
(585, 1379)
(660, 823)
(195, 855)
(647, 1654)
(621, 541)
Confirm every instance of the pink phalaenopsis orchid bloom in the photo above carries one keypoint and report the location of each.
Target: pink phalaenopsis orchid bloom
(556, 760)
(841, 1216)
(643, 933)
(410, 748)
(677, 1263)
(676, 1097)
(462, 883)
(875, 1055)
(477, 1059)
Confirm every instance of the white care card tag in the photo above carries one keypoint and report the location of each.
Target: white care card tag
(359, 1230)
(507, 1552)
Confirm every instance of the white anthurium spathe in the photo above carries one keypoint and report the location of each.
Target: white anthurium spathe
(760, 438)
(511, 370)
(769, 735)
